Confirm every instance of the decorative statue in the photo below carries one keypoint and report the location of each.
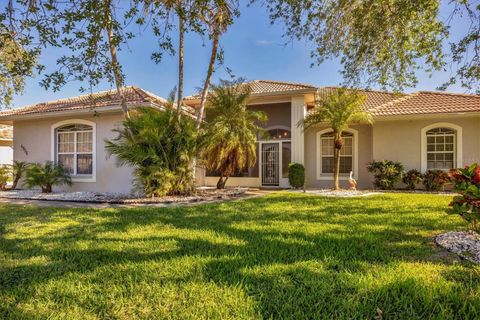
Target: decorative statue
(352, 182)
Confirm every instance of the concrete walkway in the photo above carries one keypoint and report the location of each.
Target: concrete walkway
(73, 204)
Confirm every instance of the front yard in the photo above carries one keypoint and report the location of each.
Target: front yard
(281, 256)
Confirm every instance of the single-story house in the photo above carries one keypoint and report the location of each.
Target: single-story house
(422, 130)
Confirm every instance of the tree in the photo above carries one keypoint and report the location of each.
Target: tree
(18, 170)
(231, 130)
(385, 42)
(160, 147)
(94, 34)
(337, 110)
(46, 176)
(218, 19)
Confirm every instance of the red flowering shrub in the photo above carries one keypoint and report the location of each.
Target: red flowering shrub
(467, 184)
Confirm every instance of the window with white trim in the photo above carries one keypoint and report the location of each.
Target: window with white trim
(327, 152)
(441, 148)
(74, 148)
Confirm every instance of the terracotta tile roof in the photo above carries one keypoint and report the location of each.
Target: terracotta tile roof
(134, 95)
(6, 132)
(268, 86)
(374, 98)
(425, 102)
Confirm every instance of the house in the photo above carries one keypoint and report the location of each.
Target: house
(422, 130)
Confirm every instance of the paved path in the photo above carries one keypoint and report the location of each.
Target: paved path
(73, 204)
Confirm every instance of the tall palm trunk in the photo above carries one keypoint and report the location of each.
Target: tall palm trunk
(206, 85)
(180, 65)
(115, 64)
(337, 136)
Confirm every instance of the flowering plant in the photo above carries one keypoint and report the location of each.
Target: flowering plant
(467, 184)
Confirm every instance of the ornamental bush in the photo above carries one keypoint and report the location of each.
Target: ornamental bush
(46, 176)
(467, 183)
(296, 175)
(435, 180)
(412, 178)
(385, 173)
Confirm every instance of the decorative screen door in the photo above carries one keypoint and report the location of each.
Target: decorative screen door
(270, 164)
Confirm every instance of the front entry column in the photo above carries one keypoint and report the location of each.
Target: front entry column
(298, 112)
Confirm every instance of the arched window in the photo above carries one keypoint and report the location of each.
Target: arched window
(279, 134)
(441, 148)
(74, 147)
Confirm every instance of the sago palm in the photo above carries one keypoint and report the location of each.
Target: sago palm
(46, 176)
(338, 110)
(231, 130)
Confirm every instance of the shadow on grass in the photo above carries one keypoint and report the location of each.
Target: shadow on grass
(298, 256)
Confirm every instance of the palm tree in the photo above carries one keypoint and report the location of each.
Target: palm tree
(18, 169)
(338, 110)
(231, 130)
(46, 176)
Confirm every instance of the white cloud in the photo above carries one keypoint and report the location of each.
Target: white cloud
(264, 42)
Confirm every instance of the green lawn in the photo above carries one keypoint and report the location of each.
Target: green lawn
(281, 256)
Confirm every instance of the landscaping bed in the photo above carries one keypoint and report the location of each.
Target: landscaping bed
(203, 194)
(464, 243)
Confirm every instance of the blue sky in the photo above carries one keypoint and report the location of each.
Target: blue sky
(254, 49)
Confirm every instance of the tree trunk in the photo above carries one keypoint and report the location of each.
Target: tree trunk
(336, 159)
(206, 85)
(15, 183)
(115, 65)
(181, 28)
(47, 188)
(222, 182)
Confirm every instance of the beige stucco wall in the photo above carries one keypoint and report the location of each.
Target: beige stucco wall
(400, 140)
(278, 114)
(32, 143)
(364, 152)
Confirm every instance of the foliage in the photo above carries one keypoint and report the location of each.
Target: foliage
(296, 175)
(281, 256)
(46, 176)
(386, 173)
(230, 130)
(5, 174)
(18, 170)
(435, 180)
(159, 146)
(338, 110)
(386, 42)
(467, 183)
(411, 178)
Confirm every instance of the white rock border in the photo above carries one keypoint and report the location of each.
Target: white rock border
(339, 193)
(466, 244)
(204, 194)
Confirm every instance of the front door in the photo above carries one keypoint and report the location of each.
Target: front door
(270, 164)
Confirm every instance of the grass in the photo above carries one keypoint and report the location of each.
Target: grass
(289, 256)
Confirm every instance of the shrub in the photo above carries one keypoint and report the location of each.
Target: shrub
(386, 173)
(412, 178)
(161, 147)
(46, 176)
(5, 173)
(18, 169)
(435, 180)
(296, 175)
(467, 183)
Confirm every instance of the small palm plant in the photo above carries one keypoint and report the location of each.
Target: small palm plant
(5, 174)
(231, 130)
(338, 110)
(18, 168)
(46, 176)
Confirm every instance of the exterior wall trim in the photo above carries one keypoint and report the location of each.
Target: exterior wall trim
(458, 143)
(321, 176)
(54, 126)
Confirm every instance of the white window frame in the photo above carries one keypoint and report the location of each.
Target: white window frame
(343, 176)
(458, 145)
(54, 153)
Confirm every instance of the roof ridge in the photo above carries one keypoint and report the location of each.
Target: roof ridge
(70, 98)
(367, 90)
(283, 82)
(469, 95)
